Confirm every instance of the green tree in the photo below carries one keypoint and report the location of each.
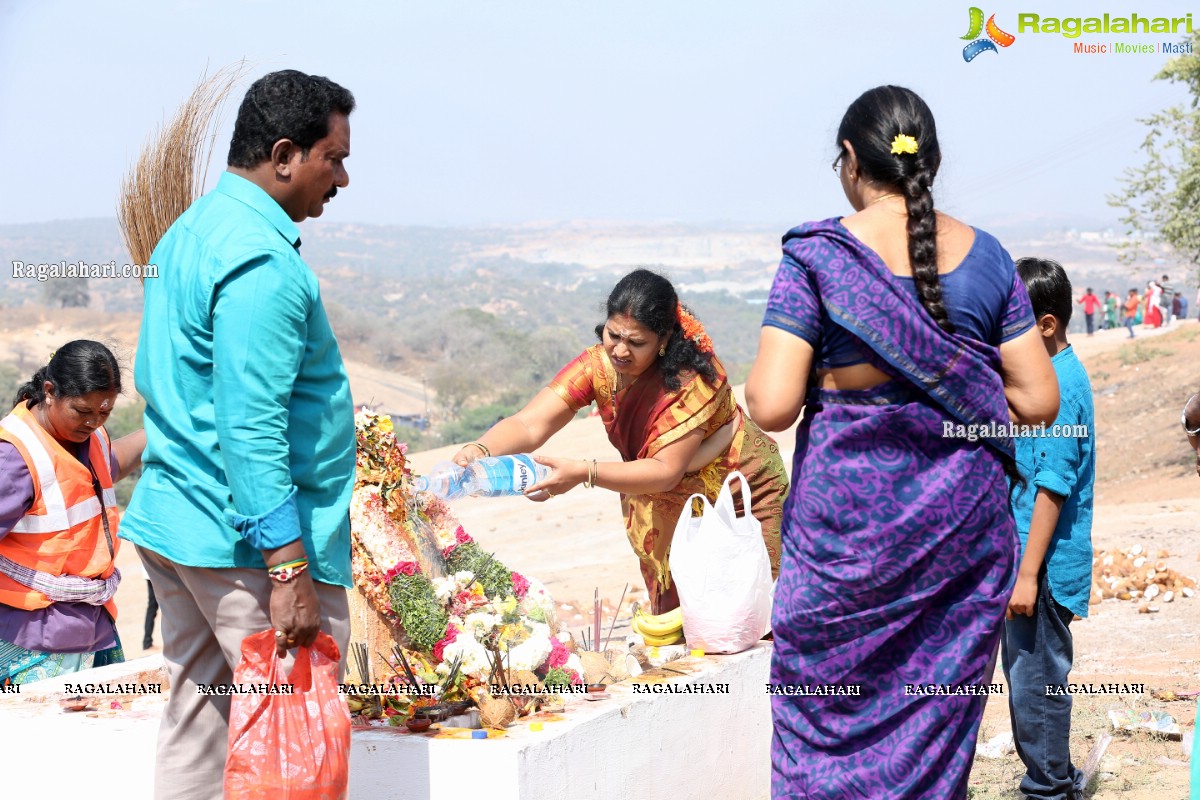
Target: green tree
(67, 293)
(11, 379)
(1161, 196)
(125, 419)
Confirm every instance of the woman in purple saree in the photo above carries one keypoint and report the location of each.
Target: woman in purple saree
(894, 330)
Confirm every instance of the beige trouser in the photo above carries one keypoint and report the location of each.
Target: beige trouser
(205, 615)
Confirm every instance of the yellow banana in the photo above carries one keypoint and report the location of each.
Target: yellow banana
(659, 624)
(662, 641)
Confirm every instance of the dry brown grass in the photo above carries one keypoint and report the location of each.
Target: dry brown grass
(171, 170)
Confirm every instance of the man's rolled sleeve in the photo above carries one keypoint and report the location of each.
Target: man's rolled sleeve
(1060, 458)
(260, 315)
(277, 527)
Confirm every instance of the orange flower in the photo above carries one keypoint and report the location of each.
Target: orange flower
(693, 330)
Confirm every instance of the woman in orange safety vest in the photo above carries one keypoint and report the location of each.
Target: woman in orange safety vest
(58, 517)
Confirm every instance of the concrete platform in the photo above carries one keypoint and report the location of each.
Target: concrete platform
(697, 728)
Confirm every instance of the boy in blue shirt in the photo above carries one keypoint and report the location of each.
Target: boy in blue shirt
(1053, 511)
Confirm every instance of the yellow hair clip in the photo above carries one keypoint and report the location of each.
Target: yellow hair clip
(904, 144)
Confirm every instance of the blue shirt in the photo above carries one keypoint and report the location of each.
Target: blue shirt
(1066, 465)
(249, 420)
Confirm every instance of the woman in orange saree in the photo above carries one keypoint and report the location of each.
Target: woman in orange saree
(669, 410)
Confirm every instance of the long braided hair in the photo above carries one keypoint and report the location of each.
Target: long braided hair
(871, 124)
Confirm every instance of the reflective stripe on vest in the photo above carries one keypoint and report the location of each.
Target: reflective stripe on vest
(57, 517)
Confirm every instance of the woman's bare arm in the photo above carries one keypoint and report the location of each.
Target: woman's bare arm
(778, 380)
(1030, 386)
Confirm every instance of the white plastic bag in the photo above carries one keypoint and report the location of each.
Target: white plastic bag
(722, 572)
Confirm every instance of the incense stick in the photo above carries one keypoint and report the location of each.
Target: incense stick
(596, 619)
(616, 613)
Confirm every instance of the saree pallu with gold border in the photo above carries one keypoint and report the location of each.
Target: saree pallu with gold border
(900, 551)
(644, 418)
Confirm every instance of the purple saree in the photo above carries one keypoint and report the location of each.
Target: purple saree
(899, 550)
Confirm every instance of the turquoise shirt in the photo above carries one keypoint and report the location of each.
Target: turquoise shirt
(249, 420)
(1064, 462)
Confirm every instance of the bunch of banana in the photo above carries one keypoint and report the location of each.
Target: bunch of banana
(659, 630)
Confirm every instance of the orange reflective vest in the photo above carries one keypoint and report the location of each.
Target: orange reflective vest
(62, 533)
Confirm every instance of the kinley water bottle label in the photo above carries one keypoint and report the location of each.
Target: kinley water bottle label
(511, 474)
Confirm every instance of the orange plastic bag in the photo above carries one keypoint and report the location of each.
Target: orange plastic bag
(293, 746)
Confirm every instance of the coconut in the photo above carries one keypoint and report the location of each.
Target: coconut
(595, 667)
(496, 712)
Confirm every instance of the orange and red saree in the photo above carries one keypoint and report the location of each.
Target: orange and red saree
(645, 417)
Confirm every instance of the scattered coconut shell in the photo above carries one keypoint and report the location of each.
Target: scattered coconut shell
(1143, 608)
(1138, 563)
(1135, 550)
(1163, 554)
(1168, 596)
(1187, 591)
(1152, 591)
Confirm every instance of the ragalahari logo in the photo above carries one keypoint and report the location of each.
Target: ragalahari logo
(995, 36)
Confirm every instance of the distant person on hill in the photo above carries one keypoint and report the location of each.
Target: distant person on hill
(669, 410)
(1177, 306)
(1165, 298)
(1090, 304)
(58, 517)
(241, 516)
(1152, 313)
(1052, 504)
(1132, 304)
(895, 571)
(1110, 310)
(1183, 305)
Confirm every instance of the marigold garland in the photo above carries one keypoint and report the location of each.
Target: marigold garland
(693, 330)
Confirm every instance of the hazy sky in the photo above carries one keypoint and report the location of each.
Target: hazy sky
(478, 111)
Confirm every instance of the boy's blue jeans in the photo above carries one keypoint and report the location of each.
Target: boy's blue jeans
(1036, 653)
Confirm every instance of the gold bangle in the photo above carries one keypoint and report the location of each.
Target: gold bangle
(482, 448)
(595, 472)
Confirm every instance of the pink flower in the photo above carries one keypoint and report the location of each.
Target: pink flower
(520, 585)
(403, 568)
(575, 679)
(461, 537)
(558, 653)
(448, 550)
(440, 648)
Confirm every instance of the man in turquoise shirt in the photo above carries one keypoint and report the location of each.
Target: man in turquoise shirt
(242, 513)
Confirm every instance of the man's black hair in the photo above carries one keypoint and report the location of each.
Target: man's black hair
(285, 105)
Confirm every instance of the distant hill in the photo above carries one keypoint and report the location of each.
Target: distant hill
(397, 294)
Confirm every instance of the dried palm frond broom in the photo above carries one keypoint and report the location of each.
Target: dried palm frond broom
(173, 165)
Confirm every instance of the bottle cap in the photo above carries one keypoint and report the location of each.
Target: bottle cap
(479, 734)
(697, 653)
(535, 726)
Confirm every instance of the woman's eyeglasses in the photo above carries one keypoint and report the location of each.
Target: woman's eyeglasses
(837, 162)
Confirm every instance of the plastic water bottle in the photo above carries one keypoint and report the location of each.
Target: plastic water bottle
(493, 476)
